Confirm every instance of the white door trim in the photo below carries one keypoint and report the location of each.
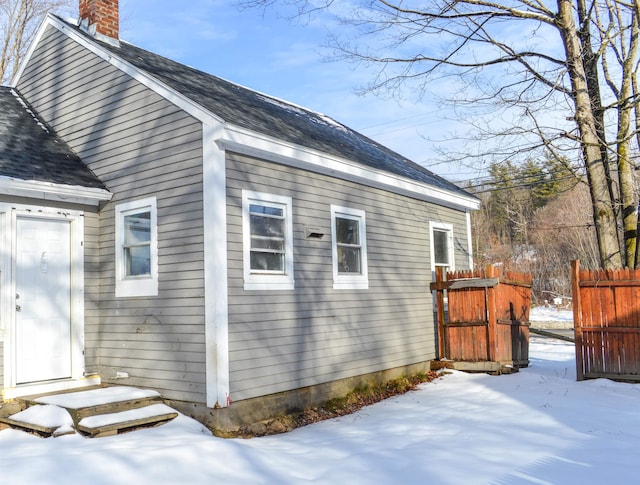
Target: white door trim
(8, 223)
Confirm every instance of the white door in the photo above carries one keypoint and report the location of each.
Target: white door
(43, 299)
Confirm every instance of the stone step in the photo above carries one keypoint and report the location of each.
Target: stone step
(120, 422)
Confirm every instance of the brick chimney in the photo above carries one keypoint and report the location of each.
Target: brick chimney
(100, 17)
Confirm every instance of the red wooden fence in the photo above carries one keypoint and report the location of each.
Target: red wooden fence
(606, 319)
(488, 316)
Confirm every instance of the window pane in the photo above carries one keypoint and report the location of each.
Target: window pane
(347, 231)
(137, 228)
(264, 209)
(267, 261)
(267, 226)
(348, 260)
(441, 247)
(137, 260)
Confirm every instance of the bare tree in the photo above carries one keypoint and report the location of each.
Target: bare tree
(566, 68)
(562, 231)
(19, 20)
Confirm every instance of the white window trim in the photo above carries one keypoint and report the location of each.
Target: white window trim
(343, 281)
(265, 281)
(441, 226)
(138, 286)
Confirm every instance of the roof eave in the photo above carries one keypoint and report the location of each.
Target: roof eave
(248, 142)
(36, 189)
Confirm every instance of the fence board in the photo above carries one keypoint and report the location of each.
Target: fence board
(488, 315)
(607, 323)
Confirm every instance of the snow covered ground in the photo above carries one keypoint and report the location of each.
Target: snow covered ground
(538, 426)
(551, 317)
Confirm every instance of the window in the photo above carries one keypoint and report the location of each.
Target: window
(441, 246)
(267, 241)
(137, 248)
(349, 248)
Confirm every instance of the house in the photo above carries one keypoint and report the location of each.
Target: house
(239, 254)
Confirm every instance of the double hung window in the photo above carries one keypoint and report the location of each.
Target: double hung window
(267, 241)
(349, 248)
(137, 248)
(441, 246)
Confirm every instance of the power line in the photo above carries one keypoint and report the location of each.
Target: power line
(554, 228)
(491, 180)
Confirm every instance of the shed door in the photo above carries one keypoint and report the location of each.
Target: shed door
(43, 299)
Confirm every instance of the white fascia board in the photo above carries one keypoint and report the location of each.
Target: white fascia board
(32, 47)
(247, 142)
(57, 192)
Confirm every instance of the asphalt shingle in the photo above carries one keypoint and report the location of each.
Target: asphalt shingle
(261, 113)
(31, 151)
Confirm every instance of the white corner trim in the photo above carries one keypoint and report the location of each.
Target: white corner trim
(215, 270)
(49, 191)
(247, 142)
(469, 240)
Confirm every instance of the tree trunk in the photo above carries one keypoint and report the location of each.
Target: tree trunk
(590, 63)
(603, 215)
(625, 170)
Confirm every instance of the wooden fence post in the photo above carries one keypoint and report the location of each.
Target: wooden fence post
(492, 323)
(440, 310)
(576, 300)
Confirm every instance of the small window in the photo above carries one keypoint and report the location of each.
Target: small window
(137, 244)
(442, 246)
(137, 248)
(268, 241)
(349, 248)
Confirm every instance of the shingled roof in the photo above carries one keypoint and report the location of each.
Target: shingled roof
(270, 116)
(31, 151)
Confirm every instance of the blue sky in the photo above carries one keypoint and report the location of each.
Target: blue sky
(268, 53)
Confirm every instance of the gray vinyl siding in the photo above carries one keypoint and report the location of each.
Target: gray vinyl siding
(282, 340)
(139, 145)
